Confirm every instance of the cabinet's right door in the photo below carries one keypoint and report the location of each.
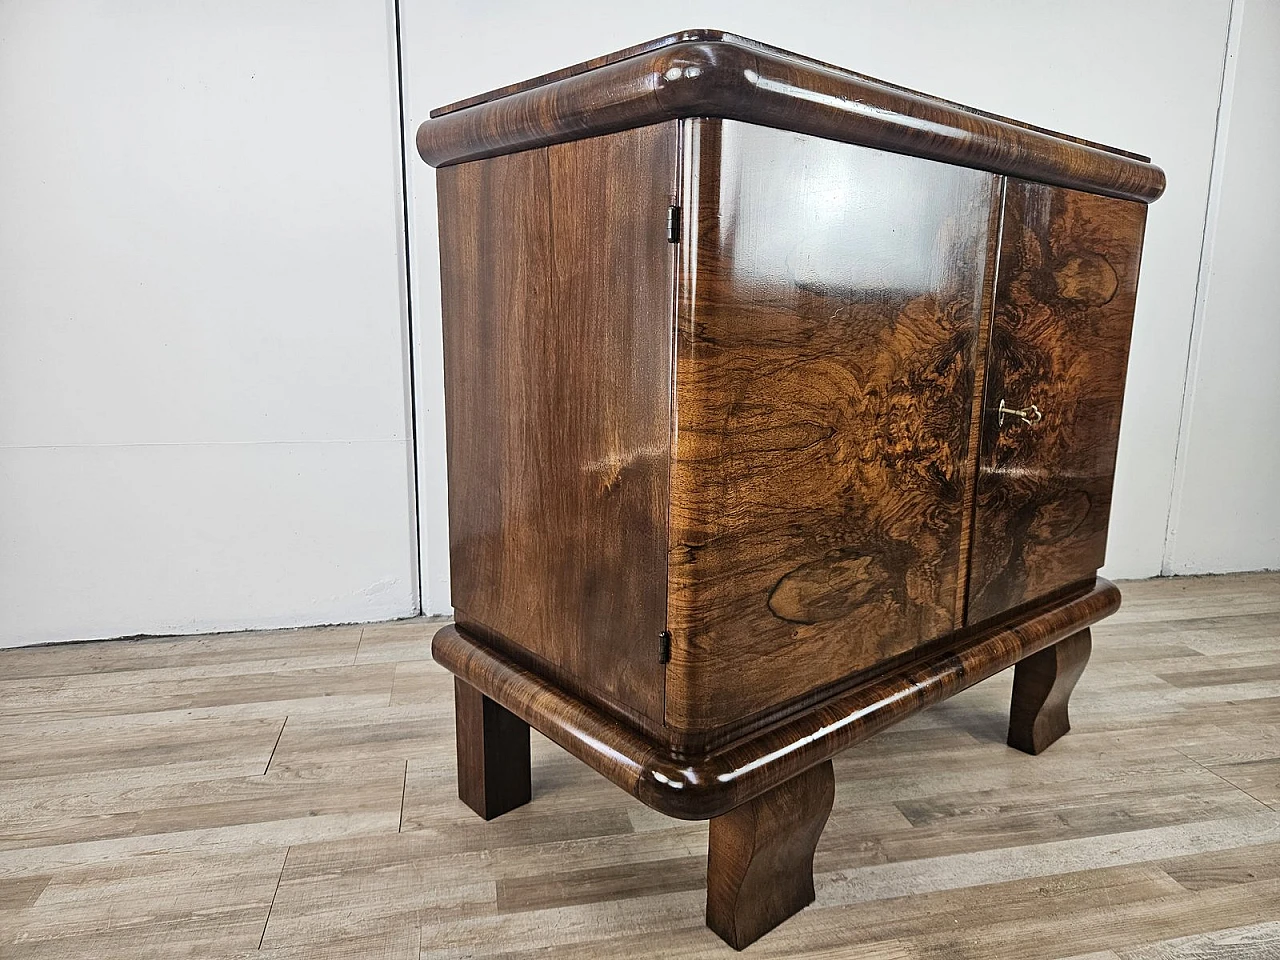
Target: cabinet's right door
(1058, 349)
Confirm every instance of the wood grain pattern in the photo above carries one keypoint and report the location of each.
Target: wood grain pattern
(1068, 280)
(760, 857)
(702, 786)
(557, 286)
(493, 754)
(1042, 687)
(594, 63)
(823, 403)
(705, 35)
(982, 348)
(150, 830)
(790, 455)
(735, 79)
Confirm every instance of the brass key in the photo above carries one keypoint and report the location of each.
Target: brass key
(1029, 414)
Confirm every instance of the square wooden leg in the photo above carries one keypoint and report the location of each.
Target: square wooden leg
(493, 753)
(760, 857)
(1042, 685)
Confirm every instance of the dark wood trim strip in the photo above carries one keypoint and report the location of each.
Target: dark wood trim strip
(689, 36)
(595, 63)
(699, 788)
(753, 84)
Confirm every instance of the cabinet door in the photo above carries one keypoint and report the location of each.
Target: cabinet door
(557, 286)
(1059, 345)
(830, 302)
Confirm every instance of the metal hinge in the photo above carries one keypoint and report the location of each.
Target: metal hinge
(673, 224)
(664, 646)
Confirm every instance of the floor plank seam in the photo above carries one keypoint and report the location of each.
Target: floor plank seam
(1202, 766)
(403, 791)
(274, 893)
(275, 745)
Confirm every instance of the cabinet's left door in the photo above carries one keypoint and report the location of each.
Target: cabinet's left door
(557, 282)
(831, 305)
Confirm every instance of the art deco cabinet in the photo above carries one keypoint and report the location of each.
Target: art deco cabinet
(782, 402)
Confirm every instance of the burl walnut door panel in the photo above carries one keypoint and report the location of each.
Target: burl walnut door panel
(830, 305)
(1067, 280)
(557, 295)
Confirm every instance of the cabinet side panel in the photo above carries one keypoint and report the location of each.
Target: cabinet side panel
(1068, 280)
(557, 283)
(828, 317)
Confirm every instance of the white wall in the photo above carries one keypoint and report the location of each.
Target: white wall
(1226, 512)
(1143, 75)
(204, 410)
(203, 413)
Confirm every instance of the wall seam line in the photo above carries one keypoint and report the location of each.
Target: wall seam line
(1226, 90)
(401, 150)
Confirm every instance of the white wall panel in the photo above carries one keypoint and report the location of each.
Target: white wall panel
(122, 539)
(200, 270)
(1226, 512)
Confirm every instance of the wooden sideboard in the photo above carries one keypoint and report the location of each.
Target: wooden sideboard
(782, 402)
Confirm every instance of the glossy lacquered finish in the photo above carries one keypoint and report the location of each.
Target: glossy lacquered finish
(698, 787)
(1067, 284)
(720, 75)
(493, 753)
(760, 856)
(823, 401)
(782, 403)
(1042, 685)
(702, 35)
(595, 63)
(557, 284)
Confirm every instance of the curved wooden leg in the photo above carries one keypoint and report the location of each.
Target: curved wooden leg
(493, 753)
(1042, 685)
(760, 859)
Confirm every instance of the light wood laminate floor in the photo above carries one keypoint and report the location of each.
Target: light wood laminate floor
(291, 794)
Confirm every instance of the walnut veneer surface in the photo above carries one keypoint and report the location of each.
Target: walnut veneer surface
(557, 364)
(782, 403)
(777, 442)
(705, 73)
(818, 473)
(1068, 280)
